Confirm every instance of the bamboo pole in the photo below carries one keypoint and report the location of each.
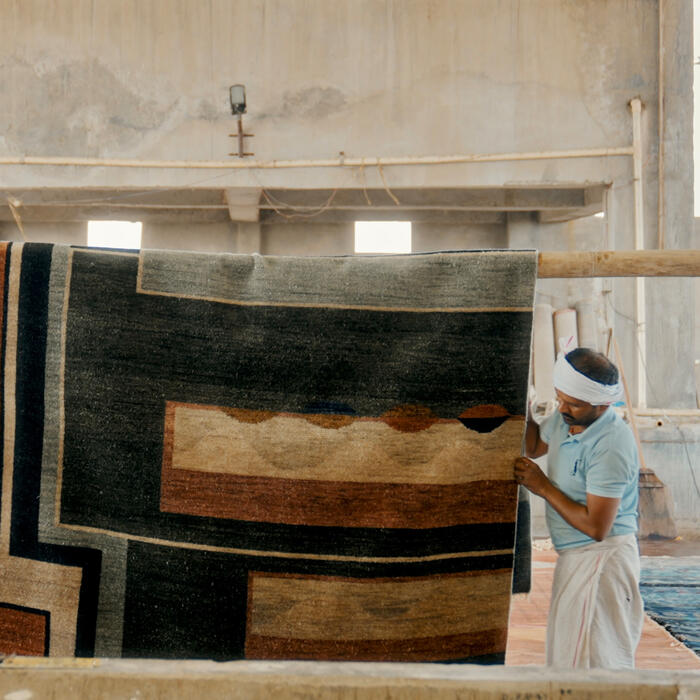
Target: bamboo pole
(619, 263)
(640, 314)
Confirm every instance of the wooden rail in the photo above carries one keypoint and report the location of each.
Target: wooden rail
(619, 263)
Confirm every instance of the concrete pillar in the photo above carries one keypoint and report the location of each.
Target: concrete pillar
(670, 302)
(249, 238)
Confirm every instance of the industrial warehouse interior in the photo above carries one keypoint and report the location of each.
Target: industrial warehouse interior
(286, 284)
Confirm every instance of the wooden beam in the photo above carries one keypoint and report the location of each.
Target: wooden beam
(619, 263)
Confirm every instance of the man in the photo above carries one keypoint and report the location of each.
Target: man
(596, 613)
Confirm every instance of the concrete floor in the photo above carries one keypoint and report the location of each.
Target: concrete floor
(528, 615)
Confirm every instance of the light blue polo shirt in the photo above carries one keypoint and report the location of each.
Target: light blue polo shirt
(603, 461)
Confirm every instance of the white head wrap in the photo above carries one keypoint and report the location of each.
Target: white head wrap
(571, 382)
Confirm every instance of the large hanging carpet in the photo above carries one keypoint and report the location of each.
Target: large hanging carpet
(231, 456)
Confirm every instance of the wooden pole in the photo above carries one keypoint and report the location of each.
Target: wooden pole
(619, 263)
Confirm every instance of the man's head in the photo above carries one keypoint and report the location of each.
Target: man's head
(593, 365)
(586, 383)
(577, 412)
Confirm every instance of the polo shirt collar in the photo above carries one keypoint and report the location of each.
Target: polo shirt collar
(595, 427)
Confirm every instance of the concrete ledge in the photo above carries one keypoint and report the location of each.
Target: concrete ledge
(24, 678)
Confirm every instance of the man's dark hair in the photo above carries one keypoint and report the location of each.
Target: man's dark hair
(593, 365)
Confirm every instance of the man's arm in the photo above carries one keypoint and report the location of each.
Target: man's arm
(535, 446)
(593, 519)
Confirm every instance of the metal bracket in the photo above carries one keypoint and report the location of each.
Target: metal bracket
(240, 135)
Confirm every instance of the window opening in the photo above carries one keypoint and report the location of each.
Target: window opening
(114, 234)
(382, 237)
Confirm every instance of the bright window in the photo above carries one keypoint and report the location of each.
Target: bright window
(114, 234)
(382, 236)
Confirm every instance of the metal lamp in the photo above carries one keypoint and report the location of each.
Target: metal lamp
(236, 95)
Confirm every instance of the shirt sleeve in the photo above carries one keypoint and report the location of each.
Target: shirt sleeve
(548, 426)
(613, 466)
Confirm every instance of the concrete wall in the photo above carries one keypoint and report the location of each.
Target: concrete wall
(149, 80)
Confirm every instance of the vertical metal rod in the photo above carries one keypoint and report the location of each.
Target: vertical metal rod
(661, 225)
(240, 136)
(640, 316)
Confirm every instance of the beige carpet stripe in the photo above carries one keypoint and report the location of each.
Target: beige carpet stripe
(351, 307)
(45, 586)
(289, 446)
(287, 555)
(9, 417)
(316, 608)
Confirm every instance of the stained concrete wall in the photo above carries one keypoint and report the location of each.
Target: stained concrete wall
(149, 80)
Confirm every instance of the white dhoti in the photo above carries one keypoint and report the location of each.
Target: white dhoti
(596, 614)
